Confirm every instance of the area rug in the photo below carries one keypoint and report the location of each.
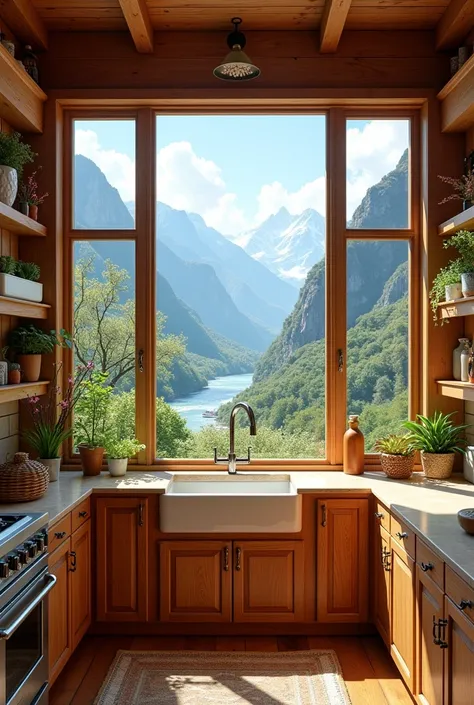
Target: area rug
(224, 678)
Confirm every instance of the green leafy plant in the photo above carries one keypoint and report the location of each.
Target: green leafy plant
(451, 274)
(436, 434)
(13, 366)
(90, 419)
(30, 340)
(463, 242)
(28, 270)
(14, 152)
(126, 448)
(394, 444)
(7, 264)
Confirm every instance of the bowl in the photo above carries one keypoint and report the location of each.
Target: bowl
(466, 519)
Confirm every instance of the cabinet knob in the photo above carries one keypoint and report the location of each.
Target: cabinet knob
(82, 515)
(402, 534)
(426, 566)
(379, 515)
(464, 604)
(59, 534)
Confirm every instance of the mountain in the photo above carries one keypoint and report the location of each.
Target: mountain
(288, 245)
(97, 205)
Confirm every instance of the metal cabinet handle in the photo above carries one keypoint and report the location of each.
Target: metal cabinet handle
(82, 515)
(464, 604)
(426, 566)
(340, 360)
(238, 555)
(226, 559)
(439, 634)
(323, 515)
(59, 534)
(140, 514)
(386, 559)
(379, 515)
(141, 356)
(73, 557)
(402, 535)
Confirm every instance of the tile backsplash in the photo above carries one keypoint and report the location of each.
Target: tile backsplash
(8, 430)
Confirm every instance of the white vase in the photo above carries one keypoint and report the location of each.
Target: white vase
(18, 288)
(53, 465)
(117, 466)
(8, 184)
(453, 291)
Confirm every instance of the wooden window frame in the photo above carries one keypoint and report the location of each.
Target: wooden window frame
(337, 236)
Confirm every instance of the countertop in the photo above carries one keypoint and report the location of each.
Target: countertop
(429, 506)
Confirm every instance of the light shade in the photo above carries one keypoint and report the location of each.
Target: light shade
(236, 66)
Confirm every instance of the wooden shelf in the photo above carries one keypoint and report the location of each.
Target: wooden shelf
(457, 308)
(456, 390)
(13, 392)
(20, 224)
(462, 221)
(457, 100)
(22, 308)
(21, 99)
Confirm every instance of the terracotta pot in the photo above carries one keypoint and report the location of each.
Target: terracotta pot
(33, 212)
(14, 377)
(91, 459)
(30, 367)
(353, 448)
(437, 466)
(398, 467)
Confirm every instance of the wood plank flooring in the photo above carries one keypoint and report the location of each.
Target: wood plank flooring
(370, 675)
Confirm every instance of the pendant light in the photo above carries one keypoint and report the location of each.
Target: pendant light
(236, 65)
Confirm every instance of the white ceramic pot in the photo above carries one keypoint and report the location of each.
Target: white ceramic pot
(453, 291)
(53, 465)
(469, 464)
(18, 288)
(117, 466)
(8, 184)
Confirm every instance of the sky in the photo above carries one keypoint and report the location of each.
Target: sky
(235, 171)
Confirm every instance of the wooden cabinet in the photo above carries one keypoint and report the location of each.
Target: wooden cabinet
(80, 576)
(459, 657)
(122, 559)
(342, 560)
(196, 581)
(402, 601)
(59, 622)
(429, 654)
(268, 581)
(381, 573)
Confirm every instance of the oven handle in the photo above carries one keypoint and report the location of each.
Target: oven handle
(6, 632)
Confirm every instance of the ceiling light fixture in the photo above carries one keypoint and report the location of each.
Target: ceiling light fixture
(236, 65)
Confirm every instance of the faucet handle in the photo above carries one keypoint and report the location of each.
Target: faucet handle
(219, 461)
(245, 460)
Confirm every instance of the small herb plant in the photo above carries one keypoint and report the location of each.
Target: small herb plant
(436, 434)
(395, 445)
(28, 270)
(463, 242)
(29, 191)
(463, 187)
(126, 448)
(7, 264)
(90, 419)
(30, 340)
(14, 152)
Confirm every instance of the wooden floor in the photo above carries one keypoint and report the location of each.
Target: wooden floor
(369, 673)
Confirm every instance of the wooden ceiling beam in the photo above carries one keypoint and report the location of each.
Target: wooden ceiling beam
(455, 24)
(139, 23)
(25, 23)
(332, 24)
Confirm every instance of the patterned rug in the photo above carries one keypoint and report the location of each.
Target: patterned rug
(220, 678)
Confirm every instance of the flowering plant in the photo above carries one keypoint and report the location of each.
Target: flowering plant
(29, 191)
(50, 429)
(463, 187)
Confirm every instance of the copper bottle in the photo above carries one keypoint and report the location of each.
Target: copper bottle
(353, 449)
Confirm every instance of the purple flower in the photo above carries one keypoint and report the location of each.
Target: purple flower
(90, 365)
(64, 404)
(70, 379)
(33, 400)
(36, 410)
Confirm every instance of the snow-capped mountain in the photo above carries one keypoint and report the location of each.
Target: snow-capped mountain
(287, 244)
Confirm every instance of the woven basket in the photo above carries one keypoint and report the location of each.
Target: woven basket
(437, 466)
(22, 479)
(399, 467)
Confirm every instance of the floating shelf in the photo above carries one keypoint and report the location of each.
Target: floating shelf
(457, 308)
(22, 308)
(457, 102)
(13, 392)
(20, 224)
(21, 99)
(456, 390)
(462, 221)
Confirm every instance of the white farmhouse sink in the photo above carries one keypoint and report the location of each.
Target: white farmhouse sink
(197, 504)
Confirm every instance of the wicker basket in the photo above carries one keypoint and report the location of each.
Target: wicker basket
(437, 466)
(399, 467)
(22, 479)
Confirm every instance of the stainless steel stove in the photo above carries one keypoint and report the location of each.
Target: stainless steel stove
(24, 585)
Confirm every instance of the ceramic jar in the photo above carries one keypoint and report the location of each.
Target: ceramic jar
(463, 342)
(353, 448)
(53, 465)
(465, 354)
(467, 282)
(453, 291)
(8, 184)
(117, 466)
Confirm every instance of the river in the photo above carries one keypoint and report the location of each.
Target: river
(219, 391)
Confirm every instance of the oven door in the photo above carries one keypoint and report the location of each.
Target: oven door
(24, 643)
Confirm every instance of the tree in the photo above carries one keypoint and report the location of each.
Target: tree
(383, 390)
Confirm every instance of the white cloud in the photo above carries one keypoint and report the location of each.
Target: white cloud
(274, 196)
(118, 168)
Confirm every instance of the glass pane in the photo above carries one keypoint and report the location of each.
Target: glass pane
(23, 651)
(104, 333)
(377, 176)
(104, 174)
(240, 286)
(377, 336)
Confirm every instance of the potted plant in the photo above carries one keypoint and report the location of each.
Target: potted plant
(29, 343)
(29, 195)
(463, 189)
(14, 373)
(90, 422)
(14, 154)
(446, 285)
(438, 439)
(119, 451)
(463, 242)
(19, 280)
(50, 416)
(397, 456)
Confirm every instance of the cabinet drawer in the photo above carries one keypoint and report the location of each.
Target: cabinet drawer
(81, 513)
(460, 593)
(403, 535)
(59, 533)
(429, 563)
(382, 516)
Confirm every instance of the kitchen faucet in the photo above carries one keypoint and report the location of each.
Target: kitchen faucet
(232, 460)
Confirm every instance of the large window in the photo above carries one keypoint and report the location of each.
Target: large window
(255, 268)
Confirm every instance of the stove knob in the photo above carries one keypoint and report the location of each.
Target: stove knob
(14, 562)
(23, 555)
(31, 548)
(4, 569)
(40, 545)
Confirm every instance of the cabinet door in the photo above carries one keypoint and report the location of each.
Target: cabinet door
(122, 559)
(402, 642)
(268, 581)
(429, 655)
(381, 573)
(196, 581)
(342, 560)
(80, 582)
(59, 621)
(459, 657)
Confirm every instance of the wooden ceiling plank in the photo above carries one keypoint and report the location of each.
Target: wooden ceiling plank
(139, 23)
(334, 19)
(455, 24)
(25, 23)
